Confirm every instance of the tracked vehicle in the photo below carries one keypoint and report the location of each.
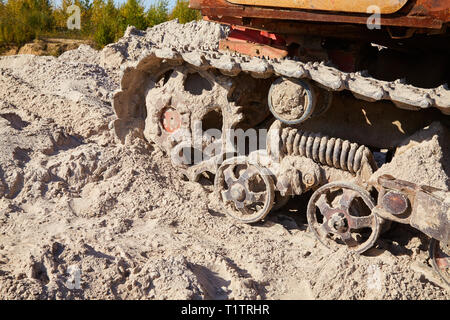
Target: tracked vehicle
(337, 86)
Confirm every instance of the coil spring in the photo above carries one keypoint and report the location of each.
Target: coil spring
(334, 152)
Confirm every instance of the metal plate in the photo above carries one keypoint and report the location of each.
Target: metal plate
(360, 6)
(431, 216)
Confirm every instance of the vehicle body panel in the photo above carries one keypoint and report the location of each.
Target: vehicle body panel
(360, 6)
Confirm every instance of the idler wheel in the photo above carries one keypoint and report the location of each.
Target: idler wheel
(341, 212)
(246, 190)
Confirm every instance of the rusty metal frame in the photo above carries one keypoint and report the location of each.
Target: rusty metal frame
(428, 14)
(255, 43)
(419, 206)
(360, 6)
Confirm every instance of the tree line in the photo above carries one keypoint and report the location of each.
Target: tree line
(102, 21)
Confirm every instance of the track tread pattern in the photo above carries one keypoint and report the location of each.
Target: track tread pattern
(362, 86)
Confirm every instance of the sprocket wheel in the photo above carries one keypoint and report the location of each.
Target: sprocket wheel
(246, 189)
(179, 99)
(189, 113)
(341, 212)
(440, 259)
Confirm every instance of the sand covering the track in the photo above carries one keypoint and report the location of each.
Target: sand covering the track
(72, 196)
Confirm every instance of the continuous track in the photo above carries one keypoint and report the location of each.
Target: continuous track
(362, 86)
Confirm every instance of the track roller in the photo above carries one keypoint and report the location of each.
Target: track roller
(341, 212)
(293, 101)
(247, 190)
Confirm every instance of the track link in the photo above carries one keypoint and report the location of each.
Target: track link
(362, 86)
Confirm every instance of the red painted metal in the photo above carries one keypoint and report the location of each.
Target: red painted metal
(171, 120)
(253, 49)
(443, 263)
(255, 43)
(345, 61)
(256, 36)
(291, 29)
(429, 14)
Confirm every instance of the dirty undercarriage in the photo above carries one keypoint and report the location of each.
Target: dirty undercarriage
(265, 128)
(168, 100)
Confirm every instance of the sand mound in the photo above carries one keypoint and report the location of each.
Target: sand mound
(424, 158)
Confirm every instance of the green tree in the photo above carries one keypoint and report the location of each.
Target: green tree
(105, 18)
(98, 6)
(158, 13)
(61, 15)
(87, 26)
(183, 13)
(101, 20)
(25, 20)
(132, 14)
(3, 22)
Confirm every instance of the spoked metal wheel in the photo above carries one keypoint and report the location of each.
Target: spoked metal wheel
(246, 190)
(440, 259)
(341, 213)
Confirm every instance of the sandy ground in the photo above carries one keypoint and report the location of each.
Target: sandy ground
(45, 47)
(74, 200)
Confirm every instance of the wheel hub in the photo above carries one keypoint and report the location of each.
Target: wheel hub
(171, 120)
(338, 222)
(342, 218)
(291, 101)
(246, 190)
(238, 192)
